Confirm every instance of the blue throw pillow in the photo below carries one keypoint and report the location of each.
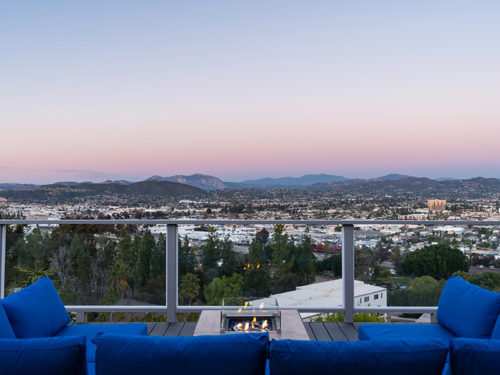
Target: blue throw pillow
(6, 331)
(36, 311)
(475, 357)
(242, 354)
(468, 310)
(43, 356)
(391, 357)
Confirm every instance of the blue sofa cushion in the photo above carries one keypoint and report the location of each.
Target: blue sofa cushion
(403, 331)
(242, 354)
(6, 331)
(496, 330)
(43, 356)
(92, 330)
(468, 310)
(36, 311)
(474, 356)
(409, 357)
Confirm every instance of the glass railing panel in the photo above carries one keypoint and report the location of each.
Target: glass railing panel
(291, 262)
(91, 264)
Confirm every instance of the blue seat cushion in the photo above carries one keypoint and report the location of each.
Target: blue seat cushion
(6, 331)
(390, 357)
(475, 356)
(403, 331)
(43, 356)
(36, 311)
(242, 354)
(468, 310)
(90, 331)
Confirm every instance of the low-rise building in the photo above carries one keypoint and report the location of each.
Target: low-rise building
(330, 294)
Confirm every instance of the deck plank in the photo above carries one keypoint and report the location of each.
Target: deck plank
(174, 329)
(320, 332)
(310, 333)
(335, 331)
(188, 329)
(151, 326)
(159, 329)
(349, 331)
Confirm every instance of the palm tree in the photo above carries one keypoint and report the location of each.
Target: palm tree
(30, 275)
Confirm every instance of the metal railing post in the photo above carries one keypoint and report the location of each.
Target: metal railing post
(348, 271)
(3, 253)
(81, 317)
(171, 269)
(434, 318)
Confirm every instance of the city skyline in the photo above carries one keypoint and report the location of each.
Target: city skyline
(94, 91)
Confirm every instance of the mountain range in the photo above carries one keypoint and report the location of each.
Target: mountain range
(306, 182)
(139, 190)
(415, 186)
(201, 181)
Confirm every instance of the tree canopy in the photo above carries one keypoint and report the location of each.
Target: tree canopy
(439, 261)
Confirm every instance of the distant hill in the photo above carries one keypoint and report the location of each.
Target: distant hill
(13, 186)
(71, 183)
(392, 177)
(82, 191)
(118, 182)
(292, 182)
(413, 186)
(201, 181)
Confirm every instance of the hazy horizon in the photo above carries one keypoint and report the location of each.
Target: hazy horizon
(93, 176)
(241, 90)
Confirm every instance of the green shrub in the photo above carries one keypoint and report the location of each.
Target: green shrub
(359, 317)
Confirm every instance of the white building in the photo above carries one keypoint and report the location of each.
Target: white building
(329, 294)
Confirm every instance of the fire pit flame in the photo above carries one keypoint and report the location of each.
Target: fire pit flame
(251, 326)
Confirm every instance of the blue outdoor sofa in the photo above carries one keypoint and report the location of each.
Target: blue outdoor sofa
(35, 338)
(464, 310)
(37, 312)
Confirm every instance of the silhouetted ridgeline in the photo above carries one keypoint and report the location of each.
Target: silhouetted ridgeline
(152, 190)
(424, 187)
(139, 191)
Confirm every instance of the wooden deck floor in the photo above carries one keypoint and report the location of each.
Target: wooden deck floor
(330, 331)
(316, 331)
(171, 329)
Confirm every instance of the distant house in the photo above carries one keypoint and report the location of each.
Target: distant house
(329, 294)
(475, 270)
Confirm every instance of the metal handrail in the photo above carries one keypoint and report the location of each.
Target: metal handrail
(172, 308)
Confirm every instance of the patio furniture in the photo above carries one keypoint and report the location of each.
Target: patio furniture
(464, 310)
(37, 311)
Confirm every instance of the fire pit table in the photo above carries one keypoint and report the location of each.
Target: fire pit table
(258, 315)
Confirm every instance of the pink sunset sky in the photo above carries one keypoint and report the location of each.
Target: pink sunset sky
(94, 91)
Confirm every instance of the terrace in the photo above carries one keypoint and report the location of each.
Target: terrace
(320, 331)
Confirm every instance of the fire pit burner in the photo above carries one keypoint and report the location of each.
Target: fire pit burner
(260, 315)
(247, 325)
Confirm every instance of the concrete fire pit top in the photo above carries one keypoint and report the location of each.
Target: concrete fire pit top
(292, 326)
